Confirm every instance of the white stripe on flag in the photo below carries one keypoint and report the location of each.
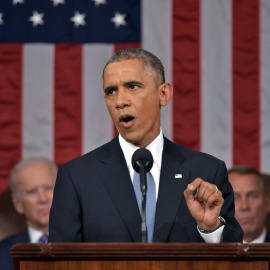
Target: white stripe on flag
(157, 38)
(265, 85)
(38, 96)
(216, 79)
(97, 124)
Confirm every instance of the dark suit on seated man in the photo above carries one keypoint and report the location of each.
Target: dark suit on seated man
(32, 182)
(94, 199)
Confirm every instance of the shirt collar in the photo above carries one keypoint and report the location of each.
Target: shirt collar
(260, 239)
(34, 234)
(155, 147)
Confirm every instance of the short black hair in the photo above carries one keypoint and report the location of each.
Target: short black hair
(151, 63)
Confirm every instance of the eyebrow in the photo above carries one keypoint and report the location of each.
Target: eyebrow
(113, 87)
(109, 88)
(247, 193)
(132, 83)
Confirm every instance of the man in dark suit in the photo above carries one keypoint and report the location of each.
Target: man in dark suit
(252, 202)
(94, 198)
(32, 182)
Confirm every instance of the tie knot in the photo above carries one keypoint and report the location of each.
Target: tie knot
(43, 238)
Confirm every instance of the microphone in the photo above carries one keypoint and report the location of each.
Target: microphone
(142, 162)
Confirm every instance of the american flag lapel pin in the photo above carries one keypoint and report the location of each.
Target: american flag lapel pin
(178, 175)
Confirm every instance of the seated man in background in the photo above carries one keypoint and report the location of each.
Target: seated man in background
(32, 182)
(252, 203)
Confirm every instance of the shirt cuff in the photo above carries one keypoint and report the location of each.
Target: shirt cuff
(213, 237)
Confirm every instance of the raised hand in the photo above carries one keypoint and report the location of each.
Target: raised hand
(206, 205)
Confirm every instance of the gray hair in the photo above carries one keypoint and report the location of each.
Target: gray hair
(245, 169)
(28, 163)
(151, 63)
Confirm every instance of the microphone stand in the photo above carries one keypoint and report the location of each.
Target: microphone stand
(142, 162)
(143, 182)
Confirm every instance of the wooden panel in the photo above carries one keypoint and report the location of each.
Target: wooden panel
(128, 256)
(144, 265)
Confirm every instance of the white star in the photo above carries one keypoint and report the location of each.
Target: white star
(56, 2)
(119, 19)
(1, 18)
(15, 2)
(98, 2)
(78, 19)
(36, 18)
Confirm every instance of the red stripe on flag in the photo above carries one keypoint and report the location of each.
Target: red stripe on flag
(122, 46)
(186, 73)
(118, 47)
(10, 109)
(68, 102)
(246, 85)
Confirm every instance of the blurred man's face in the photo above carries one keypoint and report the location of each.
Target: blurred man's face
(251, 206)
(35, 193)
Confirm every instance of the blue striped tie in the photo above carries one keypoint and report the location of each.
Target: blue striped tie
(44, 238)
(150, 202)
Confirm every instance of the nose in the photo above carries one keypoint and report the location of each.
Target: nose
(42, 196)
(244, 203)
(123, 99)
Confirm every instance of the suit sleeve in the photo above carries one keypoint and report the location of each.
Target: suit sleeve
(5, 256)
(232, 231)
(65, 216)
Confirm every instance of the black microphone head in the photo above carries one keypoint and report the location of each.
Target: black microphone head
(142, 157)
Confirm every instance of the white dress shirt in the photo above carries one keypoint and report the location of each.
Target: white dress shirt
(156, 149)
(34, 234)
(260, 239)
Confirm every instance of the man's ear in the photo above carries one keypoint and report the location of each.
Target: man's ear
(165, 93)
(267, 202)
(17, 204)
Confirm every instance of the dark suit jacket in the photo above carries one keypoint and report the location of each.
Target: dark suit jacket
(6, 262)
(94, 200)
(267, 239)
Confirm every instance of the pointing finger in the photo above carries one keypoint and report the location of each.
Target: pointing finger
(188, 193)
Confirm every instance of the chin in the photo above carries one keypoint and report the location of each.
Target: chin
(130, 138)
(248, 229)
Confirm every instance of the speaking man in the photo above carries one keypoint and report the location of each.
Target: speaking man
(95, 198)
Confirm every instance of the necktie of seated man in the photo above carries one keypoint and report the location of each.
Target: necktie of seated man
(150, 202)
(44, 238)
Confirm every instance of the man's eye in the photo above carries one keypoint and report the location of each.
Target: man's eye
(110, 92)
(253, 196)
(133, 86)
(31, 192)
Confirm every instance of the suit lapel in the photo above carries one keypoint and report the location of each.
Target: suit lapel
(171, 190)
(116, 179)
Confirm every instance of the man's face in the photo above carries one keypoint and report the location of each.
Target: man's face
(35, 192)
(133, 101)
(251, 206)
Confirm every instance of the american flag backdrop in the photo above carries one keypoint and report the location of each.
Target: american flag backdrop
(216, 54)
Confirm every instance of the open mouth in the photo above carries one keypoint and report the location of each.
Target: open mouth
(126, 120)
